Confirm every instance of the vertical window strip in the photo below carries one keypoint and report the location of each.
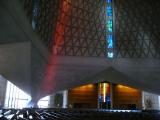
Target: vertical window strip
(109, 28)
(35, 13)
(13, 97)
(16, 98)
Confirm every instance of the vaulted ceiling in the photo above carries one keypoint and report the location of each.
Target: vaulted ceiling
(28, 63)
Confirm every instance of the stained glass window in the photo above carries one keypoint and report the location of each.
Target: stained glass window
(104, 95)
(110, 41)
(109, 25)
(35, 13)
(109, 28)
(109, 11)
(109, 1)
(110, 54)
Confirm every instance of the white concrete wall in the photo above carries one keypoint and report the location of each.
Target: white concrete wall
(3, 83)
(65, 99)
(153, 101)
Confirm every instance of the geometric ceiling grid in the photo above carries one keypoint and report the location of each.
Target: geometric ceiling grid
(137, 28)
(77, 27)
(74, 27)
(43, 16)
(84, 32)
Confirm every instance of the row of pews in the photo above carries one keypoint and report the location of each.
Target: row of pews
(76, 114)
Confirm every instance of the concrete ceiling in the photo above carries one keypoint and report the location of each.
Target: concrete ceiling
(142, 74)
(17, 61)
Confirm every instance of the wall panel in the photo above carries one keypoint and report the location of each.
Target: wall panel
(84, 97)
(126, 98)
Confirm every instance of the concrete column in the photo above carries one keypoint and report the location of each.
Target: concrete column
(65, 99)
(3, 85)
(58, 99)
(52, 99)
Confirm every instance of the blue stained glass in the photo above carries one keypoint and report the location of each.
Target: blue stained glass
(110, 54)
(109, 1)
(109, 30)
(33, 24)
(35, 11)
(110, 41)
(109, 11)
(109, 25)
(100, 98)
(108, 98)
(36, 8)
